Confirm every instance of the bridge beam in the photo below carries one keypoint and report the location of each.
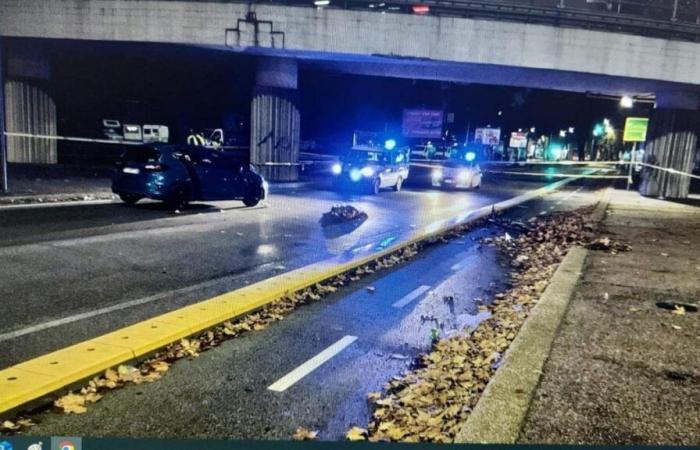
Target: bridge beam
(275, 120)
(671, 142)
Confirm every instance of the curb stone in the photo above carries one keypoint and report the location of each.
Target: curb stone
(501, 411)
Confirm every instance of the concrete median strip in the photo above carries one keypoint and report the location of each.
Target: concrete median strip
(34, 379)
(501, 411)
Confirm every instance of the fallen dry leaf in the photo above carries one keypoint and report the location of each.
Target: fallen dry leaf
(356, 434)
(71, 404)
(303, 434)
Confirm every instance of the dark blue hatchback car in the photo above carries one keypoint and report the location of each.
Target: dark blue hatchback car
(178, 174)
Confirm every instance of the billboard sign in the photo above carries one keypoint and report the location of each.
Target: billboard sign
(518, 140)
(422, 123)
(487, 136)
(635, 129)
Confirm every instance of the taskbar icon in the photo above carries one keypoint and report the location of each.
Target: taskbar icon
(66, 443)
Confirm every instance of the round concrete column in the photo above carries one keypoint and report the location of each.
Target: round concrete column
(671, 141)
(275, 121)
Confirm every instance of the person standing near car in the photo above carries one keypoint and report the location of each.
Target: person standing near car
(195, 138)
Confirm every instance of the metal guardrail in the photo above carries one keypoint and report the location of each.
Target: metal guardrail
(523, 12)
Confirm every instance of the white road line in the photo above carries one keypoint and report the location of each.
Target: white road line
(309, 366)
(408, 298)
(119, 306)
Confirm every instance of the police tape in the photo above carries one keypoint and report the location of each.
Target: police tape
(437, 164)
(556, 175)
(70, 138)
(669, 170)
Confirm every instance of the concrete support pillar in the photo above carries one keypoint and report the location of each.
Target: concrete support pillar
(275, 122)
(29, 106)
(671, 142)
(3, 140)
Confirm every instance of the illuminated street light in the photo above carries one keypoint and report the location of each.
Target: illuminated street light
(500, 113)
(571, 130)
(626, 101)
(532, 129)
(562, 133)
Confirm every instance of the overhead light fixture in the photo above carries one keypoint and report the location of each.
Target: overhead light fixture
(626, 101)
(321, 3)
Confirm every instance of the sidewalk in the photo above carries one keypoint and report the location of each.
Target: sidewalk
(623, 370)
(55, 183)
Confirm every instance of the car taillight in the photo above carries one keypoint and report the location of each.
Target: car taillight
(154, 167)
(421, 9)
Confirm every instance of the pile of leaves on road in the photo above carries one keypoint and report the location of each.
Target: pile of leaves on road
(432, 401)
(342, 214)
(77, 402)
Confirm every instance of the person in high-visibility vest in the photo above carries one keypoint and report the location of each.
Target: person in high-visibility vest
(195, 139)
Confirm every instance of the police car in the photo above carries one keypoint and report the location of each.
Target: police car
(459, 171)
(372, 167)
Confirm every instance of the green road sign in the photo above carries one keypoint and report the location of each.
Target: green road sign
(635, 129)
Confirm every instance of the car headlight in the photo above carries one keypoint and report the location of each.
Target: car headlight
(355, 175)
(337, 169)
(437, 174)
(463, 176)
(367, 171)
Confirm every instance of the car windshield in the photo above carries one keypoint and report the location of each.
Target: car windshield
(141, 154)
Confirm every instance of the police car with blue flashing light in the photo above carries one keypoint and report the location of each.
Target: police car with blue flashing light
(371, 166)
(460, 170)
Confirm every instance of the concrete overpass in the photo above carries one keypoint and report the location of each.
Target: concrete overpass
(366, 42)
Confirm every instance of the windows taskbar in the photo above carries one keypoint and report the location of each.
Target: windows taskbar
(77, 443)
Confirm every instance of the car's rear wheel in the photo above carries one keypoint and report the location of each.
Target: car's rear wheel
(398, 185)
(178, 198)
(130, 199)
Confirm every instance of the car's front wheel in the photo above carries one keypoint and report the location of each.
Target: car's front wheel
(375, 186)
(252, 199)
(130, 199)
(398, 185)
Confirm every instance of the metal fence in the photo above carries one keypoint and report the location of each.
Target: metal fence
(669, 19)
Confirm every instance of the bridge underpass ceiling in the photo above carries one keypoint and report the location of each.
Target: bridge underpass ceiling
(387, 66)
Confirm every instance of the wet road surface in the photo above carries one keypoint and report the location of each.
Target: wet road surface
(314, 368)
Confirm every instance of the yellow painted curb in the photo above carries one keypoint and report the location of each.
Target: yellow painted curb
(33, 379)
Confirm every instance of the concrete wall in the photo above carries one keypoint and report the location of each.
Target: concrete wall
(363, 33)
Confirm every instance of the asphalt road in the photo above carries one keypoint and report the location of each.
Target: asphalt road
(225, 393)
(61, 263)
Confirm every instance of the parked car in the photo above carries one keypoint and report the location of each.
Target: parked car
(372, 167)
(178, 174)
